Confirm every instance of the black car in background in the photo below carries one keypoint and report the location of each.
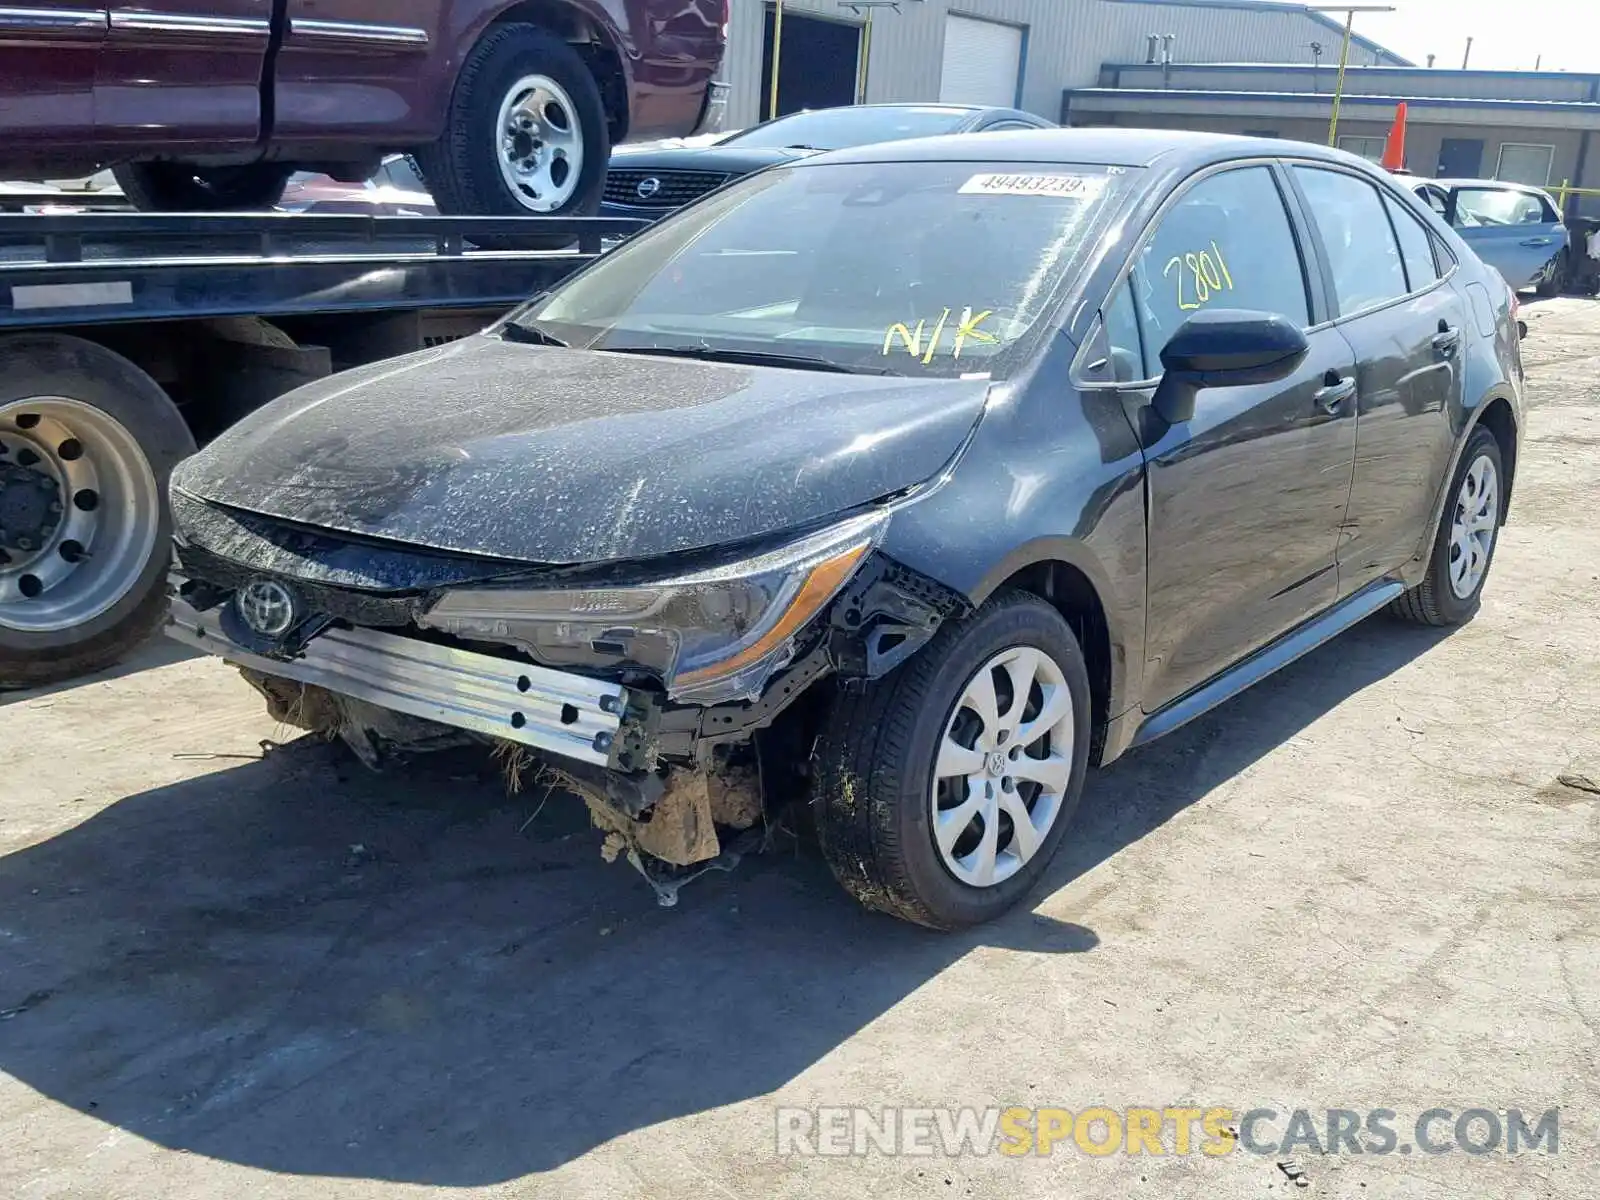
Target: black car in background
(651, 182)
(907, 481)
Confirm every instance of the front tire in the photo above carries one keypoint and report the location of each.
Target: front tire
(89, 442)
(1463, 548)
(944, 789)
(176, 187)
(526, 134)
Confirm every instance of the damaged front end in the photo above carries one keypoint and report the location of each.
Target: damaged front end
(678, 705)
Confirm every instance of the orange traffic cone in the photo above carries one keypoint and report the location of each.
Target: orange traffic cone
(1394, 150)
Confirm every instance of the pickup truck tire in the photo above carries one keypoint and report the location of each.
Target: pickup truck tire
(526, 135)
(917, 797)
(1463, 548)
(177, 187)
(89, 442)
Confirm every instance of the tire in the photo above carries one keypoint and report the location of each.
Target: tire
(1550, 282)
(876, 771)
(1437, 600)
(128, 436)
(463, 169)
(177, 187)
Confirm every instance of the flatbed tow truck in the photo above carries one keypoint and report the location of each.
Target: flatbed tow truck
(126, 340)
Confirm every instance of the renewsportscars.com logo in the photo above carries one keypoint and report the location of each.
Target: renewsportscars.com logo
(1168, 1130)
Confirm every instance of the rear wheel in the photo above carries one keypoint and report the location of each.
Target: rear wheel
(1458, 566)
(526, 136)
(177, 187)
(87, 442)
(944, 789)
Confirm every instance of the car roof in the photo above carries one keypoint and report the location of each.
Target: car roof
(1502, 184)
(1103, 146)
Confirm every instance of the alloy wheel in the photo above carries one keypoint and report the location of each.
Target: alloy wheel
(1003, 767)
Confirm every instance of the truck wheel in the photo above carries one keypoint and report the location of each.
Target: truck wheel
(526, 134)
(944, 788)
(1463, 549)
(87, 442)
(175, 187)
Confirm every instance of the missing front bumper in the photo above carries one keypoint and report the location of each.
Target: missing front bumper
(571, 716)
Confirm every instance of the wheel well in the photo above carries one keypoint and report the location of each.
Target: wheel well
(1070, 591)
(592, 43)
(1497, 418)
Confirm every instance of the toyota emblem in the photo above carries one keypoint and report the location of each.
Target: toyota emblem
(647, 187)
(267, 607)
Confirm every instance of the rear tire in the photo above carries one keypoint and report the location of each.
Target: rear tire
(177, 187)
(903, 760)
(526, 135)
(1463, 547)
(106, 437)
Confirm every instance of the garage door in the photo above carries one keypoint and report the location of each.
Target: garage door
(982, 62)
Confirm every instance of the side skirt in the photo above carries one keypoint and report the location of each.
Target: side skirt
(1272, 657)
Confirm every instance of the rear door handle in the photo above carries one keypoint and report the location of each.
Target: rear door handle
(1330, 398)
(1539, 241)
(1446, 341)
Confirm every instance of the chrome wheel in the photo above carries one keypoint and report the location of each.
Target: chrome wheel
(79, 513)
(1472, 532)
(1003, 767)
(540, 143)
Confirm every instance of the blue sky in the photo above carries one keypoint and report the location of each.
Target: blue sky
(1506, 35)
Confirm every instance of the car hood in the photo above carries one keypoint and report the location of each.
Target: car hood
(731, 160)
(554, 456)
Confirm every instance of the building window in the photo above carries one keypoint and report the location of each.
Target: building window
(1369, 148)
(1524, 162)
(1263, 133)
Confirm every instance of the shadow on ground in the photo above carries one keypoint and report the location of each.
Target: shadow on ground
(296, 966)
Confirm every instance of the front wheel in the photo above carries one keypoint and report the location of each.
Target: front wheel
(176, 187)
(944, 789)
(526, 136)
(1463, 548)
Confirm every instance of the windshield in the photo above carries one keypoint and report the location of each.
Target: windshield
(908, 268)
(841, 128)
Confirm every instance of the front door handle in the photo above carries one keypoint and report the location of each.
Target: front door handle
(1331, 397)
(1539, 241)
(1446, 341)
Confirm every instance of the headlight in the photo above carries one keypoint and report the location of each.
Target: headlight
(713, 636)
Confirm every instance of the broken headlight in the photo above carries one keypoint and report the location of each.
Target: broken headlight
(711, 636)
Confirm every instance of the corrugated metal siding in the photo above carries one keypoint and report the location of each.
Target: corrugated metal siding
(1363, 81)
(1067, 41)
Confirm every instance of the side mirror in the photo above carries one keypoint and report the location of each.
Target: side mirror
(1225, 348)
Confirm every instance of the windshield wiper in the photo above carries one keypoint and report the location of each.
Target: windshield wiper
(530, 335)
(755, 358)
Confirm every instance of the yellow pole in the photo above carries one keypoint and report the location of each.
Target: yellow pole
(777, 47)
(1338, 84)
(866, 58)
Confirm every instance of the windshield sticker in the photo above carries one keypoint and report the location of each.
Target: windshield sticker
(967, 329)
(1208, 276)
(1077, 187)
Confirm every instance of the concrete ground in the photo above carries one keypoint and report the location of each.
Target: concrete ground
(1360, 886)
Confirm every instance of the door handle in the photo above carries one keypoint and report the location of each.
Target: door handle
(1331, 397)
(1538, 241)
(1446, 341)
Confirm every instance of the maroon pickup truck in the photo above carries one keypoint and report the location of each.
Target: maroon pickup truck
(510, 108)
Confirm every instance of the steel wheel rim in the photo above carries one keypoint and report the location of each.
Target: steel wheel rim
(1002, 768)
(88, 544)
(1472, 530)
(539, 144)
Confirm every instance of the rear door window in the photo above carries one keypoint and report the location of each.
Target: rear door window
(1227, 243)
(1416, 246)
(1359, 242)
(1478, 208)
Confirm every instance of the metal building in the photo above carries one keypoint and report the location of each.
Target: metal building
(1022, 53)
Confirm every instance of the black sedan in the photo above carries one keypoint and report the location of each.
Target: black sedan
(904, 482)
(652, 182)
